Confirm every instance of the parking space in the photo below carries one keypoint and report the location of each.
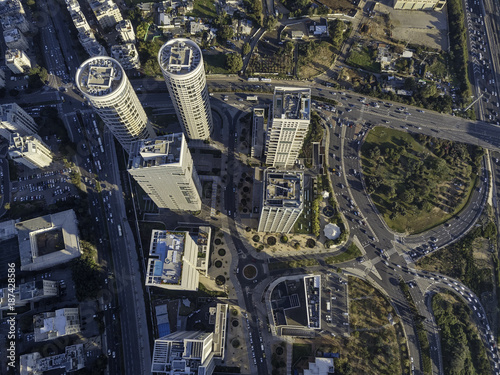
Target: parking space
(336, 317)
(48, 186)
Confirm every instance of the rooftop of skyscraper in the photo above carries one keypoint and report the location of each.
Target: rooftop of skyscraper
(179, 56)
(166, 252)
(283, 189)
(154, 152)
(99, 76)
(292, 103)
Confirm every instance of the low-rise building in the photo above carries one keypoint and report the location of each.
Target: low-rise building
(126, 55)
(29, 151)
(54, 324)
(73, 359)
(172, 261)
(197, 27)
(127, 34)
(17, 61)
(49, 240)
(14, 119)
(320, 366)
(18, 20)
(419, 4)
(14, 39)
(32, 291)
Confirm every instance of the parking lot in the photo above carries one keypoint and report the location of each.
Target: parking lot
(336, 319)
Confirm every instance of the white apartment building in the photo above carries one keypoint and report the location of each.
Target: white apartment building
(53, 324)
(283, 201)
(126, 55)
(17, 61)
(14, 119)
(80, 21)
(181, 63)
(419, 4)
(172, 261)
(288, 125)
(105, 85)
(127, 34)
(107, 12)
(186, 352)
(14, 39)
(73, 5)
(29, 151)
(163, 167)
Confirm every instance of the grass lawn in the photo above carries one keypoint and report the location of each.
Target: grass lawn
(416, 183)
(362, 59)
(215, 64)
(300, 350)
(204, 9)
(351, 253)
(323, 58)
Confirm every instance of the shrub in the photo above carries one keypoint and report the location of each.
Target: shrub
(256, 238)
(271, 241)
(310, 243)
(284, 239)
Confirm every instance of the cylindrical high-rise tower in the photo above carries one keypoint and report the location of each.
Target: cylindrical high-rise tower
(182, 65)
(103, 82)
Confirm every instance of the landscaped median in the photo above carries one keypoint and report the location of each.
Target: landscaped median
(351, 253)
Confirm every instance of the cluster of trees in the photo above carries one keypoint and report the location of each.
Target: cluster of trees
(254, 10)
(86, 274)
(234, 62)
(458, 46)
(463, 351)
(148, 53)
(314, 134)
(37, 77)
(337, 29)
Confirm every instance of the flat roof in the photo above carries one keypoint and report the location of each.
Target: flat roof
(99, 76)
(283, 188)
(292, 103)
(166, 252)
(154, 152)
(179, 56)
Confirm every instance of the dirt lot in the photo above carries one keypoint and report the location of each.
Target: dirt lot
(419, 27)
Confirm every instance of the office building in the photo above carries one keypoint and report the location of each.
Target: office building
(104, 84)
(126, 55)
(17, 61)
(48, 241)
(164, 169)
(14, 119)
(73, 359)
(127, 34)
(288, 125)
(181, 63)
(283, 201)
(14, 39)
(172, 261)
(419, 4)
(54, 324)
(29, 151)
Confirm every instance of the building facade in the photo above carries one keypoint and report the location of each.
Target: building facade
(107, 12)
(163, 167)
(283, 201)
(17, 61)
(29, 151)
(126, 54)
(172, 261)
(104, 84)
(127, 34)
(181, 63)
(14, 39)
(288, 125)
(14, 119)
(419, 4)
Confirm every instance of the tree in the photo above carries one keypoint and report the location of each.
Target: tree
(225, 32)
(246, 49)
(429, 90)
(288, 47)
(270, 23)
(234, 62)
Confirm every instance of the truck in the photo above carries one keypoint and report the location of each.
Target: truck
(100, 144)
(253, 79)
(252, 97)
(99, 165)
(328, 306)
(119, 230)
(265, 79)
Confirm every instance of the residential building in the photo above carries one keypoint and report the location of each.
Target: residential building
(14, 39)
(73, 5)
(17, 61)
(11, 7)
(90, 44)
(126, 55)
(73, 359)
(14, 119)
(107, 12)
(48, 241)
(288, 125)
(196, 27)
(104, 84)
(163, 167)
(54, 324)
(127, 34)
(29, 151)
(18, 20)
(318, 28)
(31, 291)
(419, 4)
(2, 78)
(80, 22)
(181, 62)
(320, 366)
(172, 261)
(283, 201)
(165, 21)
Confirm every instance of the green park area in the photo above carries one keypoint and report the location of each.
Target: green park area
(204, 9)
(363, 58)
(417, 181)
(463, 351)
